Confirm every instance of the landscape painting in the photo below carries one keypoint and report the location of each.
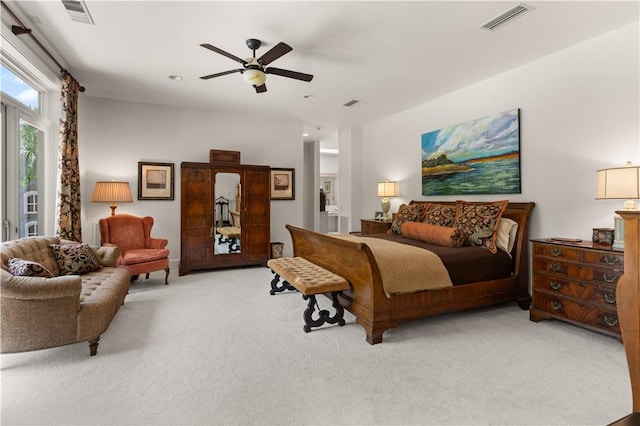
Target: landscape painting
(481, 156)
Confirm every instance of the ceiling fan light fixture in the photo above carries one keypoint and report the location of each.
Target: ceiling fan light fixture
(254, 77)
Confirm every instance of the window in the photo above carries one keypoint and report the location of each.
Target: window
(23, 138)
(19, 90)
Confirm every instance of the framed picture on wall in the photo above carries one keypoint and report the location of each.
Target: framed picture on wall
(155, 181)
(283, 184)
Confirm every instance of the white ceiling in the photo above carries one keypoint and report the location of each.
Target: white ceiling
(388, 55)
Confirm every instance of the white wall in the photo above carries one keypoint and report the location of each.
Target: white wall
(579, 113)
(115, 135)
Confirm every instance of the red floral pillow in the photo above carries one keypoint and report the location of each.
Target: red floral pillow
(480, 222)
(407, 213)
(440, 215)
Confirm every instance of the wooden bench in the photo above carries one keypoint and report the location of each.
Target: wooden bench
(298, 273)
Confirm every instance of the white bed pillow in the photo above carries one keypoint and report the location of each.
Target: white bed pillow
(506, 234)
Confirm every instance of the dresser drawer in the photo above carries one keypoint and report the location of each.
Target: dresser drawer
(604, 258)
(602, 276)
(580, 312)
(576, 290)
(554, 266)
(560, 252)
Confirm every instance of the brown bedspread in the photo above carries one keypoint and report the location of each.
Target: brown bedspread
(464, 264)
(403, 268)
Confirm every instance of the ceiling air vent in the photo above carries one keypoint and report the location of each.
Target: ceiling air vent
(78, 11)
(351, 102)
(506, 17)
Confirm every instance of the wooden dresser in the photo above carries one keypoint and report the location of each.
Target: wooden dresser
(372, 226)
(576, 282)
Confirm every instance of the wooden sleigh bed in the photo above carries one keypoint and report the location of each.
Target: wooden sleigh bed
(377, 312)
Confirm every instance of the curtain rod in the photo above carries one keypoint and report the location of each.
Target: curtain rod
(21, 29)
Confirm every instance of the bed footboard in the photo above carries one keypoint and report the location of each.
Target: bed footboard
(354, 261)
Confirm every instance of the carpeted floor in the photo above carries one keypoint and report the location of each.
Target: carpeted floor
(216, 348)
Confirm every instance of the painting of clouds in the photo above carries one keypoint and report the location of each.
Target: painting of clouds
(477, 157)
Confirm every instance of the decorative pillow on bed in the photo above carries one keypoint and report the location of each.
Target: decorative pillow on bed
(441, 215)
(434, 234)
(407, 213)
(506, 234)
(74, 259)
(480, 222)
(26, 268)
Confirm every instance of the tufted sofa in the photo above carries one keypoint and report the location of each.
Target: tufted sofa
(39, 313)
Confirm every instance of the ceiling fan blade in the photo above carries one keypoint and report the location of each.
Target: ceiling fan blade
(218, 74)
(223, 53)
(276, 51)
(261, 89)
(290, 74)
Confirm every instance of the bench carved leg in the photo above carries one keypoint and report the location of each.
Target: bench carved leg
(275, 288)
(323, 315)
(93, 346)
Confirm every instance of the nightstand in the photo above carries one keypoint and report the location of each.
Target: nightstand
(372, 226)
(576, 282)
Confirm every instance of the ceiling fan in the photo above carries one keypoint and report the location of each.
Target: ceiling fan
(254, 71)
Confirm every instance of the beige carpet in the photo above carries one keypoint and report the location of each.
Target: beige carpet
(216, 348)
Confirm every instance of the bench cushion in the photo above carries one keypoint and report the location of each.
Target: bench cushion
(307, 277)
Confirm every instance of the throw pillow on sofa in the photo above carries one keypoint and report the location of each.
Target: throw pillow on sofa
(26, 268)
(74, 259)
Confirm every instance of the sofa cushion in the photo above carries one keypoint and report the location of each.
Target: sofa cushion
(34, 249)
(26, 268)
(74, 259)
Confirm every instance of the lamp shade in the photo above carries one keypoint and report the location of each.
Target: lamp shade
(387, 189)
(619, 183)
(111, 192)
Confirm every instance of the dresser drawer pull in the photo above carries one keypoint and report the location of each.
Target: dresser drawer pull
(555, 285)
(610, 260)
(610, 321)
(609, 277)
(556, 251)
(610, 297)
(555, 268)
(555, 305)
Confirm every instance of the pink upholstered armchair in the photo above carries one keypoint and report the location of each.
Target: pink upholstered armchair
(140, 253)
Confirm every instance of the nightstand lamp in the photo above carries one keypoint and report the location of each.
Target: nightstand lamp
(619, 183)
(387, 189)
(111, 192)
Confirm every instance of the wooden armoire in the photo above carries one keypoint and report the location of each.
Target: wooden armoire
(205, 244)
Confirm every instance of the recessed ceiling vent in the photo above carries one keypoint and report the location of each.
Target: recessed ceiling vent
(506, 17)
(78, 11)
(351, 102)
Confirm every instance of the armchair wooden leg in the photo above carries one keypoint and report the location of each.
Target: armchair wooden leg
(93, 346)
(147, 277)
(166, 277)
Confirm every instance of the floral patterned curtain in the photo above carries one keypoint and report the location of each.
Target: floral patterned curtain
(68, 224)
